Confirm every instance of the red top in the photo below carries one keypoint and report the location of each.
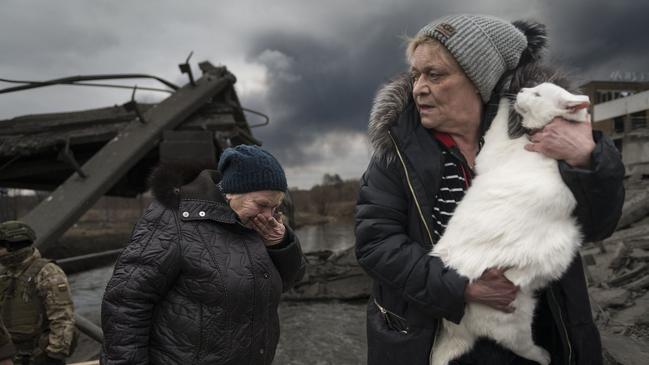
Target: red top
(450, 144)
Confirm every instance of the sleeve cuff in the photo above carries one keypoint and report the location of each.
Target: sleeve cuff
(289, 237)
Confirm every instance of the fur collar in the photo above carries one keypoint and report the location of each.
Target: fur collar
(389, 102)
(167, 179)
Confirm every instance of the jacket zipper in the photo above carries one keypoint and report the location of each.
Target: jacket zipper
(421, 216)
(563, 325)
(412, 190)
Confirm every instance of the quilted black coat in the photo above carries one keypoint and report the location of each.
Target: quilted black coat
(194, 286)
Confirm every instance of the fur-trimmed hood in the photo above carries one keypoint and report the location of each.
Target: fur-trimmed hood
(389, 103)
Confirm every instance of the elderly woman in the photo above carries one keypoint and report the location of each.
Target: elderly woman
(201, 278)
(426, 130)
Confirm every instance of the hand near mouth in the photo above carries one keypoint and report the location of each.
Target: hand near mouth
(270, 229)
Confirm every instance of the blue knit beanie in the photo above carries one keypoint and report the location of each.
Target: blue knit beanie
(248, 168)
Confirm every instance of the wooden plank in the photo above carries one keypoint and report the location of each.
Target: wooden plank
(629, 276)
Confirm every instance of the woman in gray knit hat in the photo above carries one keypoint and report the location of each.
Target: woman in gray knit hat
(426, 130)
(201, 278)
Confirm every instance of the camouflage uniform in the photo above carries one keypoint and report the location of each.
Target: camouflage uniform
(36, 306)
(7, 349)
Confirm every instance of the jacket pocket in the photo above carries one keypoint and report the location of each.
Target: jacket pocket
(388, 344)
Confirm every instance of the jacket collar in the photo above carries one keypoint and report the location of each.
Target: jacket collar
(202, 199)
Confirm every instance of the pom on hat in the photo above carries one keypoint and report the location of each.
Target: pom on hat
(248, 168)
(537, 40)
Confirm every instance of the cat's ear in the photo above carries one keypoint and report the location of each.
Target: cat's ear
(575, 102)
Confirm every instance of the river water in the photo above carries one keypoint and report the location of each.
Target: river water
(331, 236)
(313, 333)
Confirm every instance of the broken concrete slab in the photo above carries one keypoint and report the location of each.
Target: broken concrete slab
(638, 314)
(331, 275)
(620, 256)
(636, 207)
(615, 298)
(624, 234)
(639, 254)
(622, 350)
(638, 284)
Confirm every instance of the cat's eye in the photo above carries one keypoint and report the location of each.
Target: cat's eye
(537, 94)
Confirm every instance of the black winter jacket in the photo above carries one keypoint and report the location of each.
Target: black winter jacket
(194, 286)
(416, 289)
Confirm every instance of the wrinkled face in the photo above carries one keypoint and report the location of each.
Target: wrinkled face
(251, 204)
(446, 99)
(540, 104)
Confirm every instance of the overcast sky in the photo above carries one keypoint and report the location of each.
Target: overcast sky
(312, 66)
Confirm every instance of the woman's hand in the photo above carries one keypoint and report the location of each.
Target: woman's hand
(492, 289)
(564, 140)
(271, 229)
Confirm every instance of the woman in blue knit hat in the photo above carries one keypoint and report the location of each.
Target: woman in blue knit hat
(426, 130)
(201, 278)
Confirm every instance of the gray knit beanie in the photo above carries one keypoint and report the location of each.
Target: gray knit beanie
(484, 46)
(247, 168)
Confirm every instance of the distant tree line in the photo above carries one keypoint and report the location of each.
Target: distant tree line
(333, 197)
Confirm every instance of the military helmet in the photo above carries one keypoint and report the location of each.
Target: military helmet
(16, 232)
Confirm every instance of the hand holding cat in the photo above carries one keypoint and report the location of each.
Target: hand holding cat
(564, 140)
(492, 289)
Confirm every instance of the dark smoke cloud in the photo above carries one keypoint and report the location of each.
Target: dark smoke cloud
(598, 39)
(323, 60)
(328, 86)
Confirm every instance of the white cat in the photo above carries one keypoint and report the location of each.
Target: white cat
(517, 215)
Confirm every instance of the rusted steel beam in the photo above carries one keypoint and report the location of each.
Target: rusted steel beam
(84, 262)
(64, 206)
(89, 328)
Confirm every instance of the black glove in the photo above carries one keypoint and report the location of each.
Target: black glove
(53, 361)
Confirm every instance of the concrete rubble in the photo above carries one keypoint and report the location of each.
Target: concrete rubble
(331, 275)
(618, 273)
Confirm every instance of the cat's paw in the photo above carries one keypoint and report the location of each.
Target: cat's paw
(545, 357)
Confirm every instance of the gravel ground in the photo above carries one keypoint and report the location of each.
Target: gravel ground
(322, 333)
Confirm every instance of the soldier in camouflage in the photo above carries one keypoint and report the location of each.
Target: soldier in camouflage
(35, 300)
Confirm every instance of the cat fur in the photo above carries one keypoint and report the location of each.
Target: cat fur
(517, 215)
